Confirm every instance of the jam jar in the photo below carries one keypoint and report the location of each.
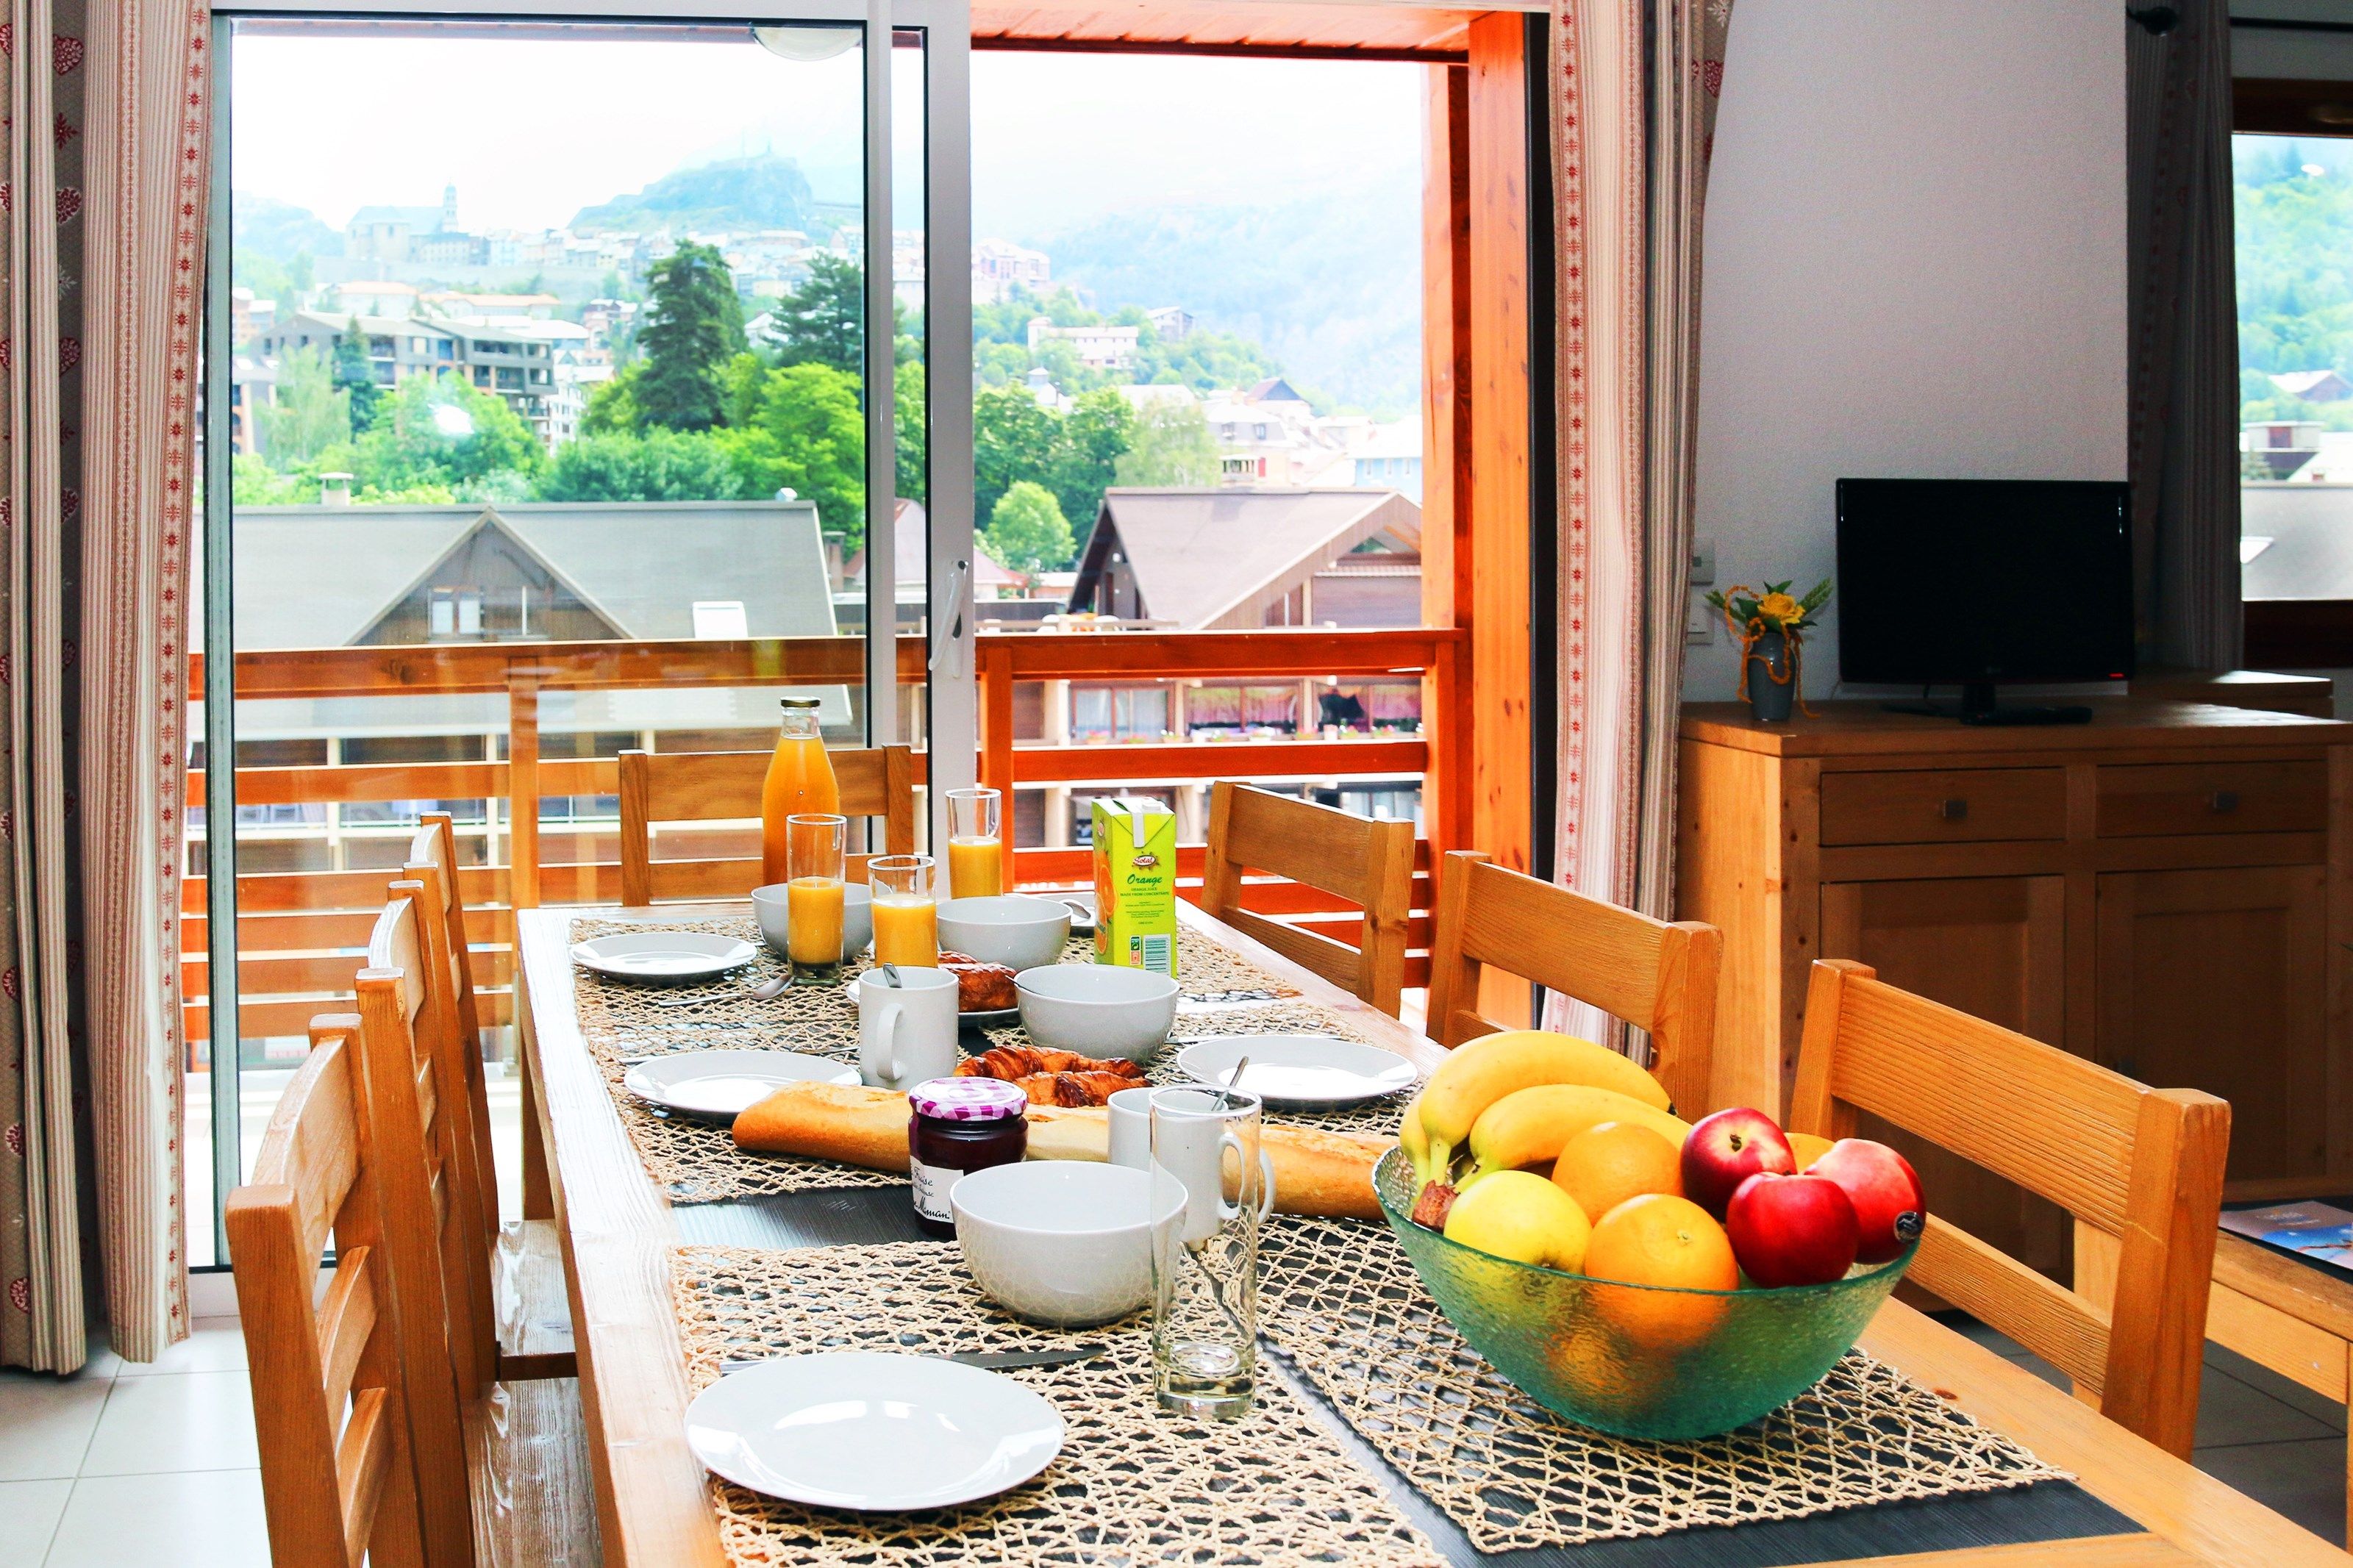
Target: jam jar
(961, 1125)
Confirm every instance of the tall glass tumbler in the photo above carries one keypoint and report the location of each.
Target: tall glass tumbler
(815, 862)
(975, 837)
(1212, 1186)
(906, 918)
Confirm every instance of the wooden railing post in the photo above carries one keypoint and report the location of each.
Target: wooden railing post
(996, 740)
(522, 789)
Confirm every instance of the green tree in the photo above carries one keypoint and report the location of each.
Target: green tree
(910, 424)
(440, 432)
(310, 414)
(613, 405)
(1170, 446)
(660, 465)
(1012, 439)
(808, 436)
(823, 321)
(252, 483)
(1094, 435)
(354, 375)
(1027, 530)
(694, 325)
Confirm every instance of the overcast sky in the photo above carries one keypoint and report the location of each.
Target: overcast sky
(530, 131)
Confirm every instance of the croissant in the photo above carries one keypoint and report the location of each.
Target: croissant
(1071, 1089)
(1013, 1063)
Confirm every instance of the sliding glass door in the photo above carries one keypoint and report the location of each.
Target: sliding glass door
(573, 387)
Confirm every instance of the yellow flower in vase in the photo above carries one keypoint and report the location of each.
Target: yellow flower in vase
(1783, 608)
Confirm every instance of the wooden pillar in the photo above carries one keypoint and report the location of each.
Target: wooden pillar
(1446, 598)
(997, 744)
(523, 790)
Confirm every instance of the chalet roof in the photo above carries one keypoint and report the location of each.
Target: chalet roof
(910, 535)
(2301, 536)
(1215, 557)
(319, 577)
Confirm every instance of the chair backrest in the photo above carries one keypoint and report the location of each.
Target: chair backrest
(1368, 863)
(334, 1485)
(433, 1239)
(1658, 975)
(705, 786)
(2141, 1164)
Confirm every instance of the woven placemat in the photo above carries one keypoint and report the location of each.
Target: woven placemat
(694, 1161)
(1132, 1485)
(1341, 1303)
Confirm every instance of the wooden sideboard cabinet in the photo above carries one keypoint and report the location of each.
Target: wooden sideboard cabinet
(2164, 890)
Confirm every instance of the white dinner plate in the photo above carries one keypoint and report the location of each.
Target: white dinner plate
(1300, 1072)
(986, 1018)
(662, 954)
(862, 1429)
(1082, 910)
(724, 1084)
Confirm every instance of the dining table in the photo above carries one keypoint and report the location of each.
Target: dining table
(2124, 1502)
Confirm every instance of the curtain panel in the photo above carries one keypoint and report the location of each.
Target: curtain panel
(2184, 446)
(1634, 95)
(103, 191)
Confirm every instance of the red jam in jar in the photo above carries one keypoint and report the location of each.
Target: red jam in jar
(961, 1125)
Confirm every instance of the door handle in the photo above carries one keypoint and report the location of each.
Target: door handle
(2223, 800)
(1954, 810)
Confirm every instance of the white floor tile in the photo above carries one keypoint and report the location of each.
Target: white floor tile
(216, 1344)
(175, 1421)
(208, 1519)
(31, 1509)
(46, 1423)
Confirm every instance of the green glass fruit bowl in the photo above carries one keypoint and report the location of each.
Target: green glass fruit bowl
(1640, 1361)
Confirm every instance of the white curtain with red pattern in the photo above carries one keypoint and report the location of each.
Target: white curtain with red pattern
(103, 187)
(1634, 86)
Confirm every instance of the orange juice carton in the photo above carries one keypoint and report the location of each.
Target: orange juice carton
(1135, 884)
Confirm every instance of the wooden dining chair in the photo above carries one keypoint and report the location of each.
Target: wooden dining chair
(2138, 1164)
(1658, 975)
(518, 1325)
(1368, 863)
(502, 1468)
(329, 1407)
(705, 786)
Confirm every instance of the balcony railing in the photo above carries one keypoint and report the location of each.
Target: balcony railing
(301, 932)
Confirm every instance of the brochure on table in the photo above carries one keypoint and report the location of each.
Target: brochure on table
(2319, 1233)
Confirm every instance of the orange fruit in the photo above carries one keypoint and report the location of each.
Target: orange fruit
(1604, 1165)
(1661, 1239)
(1807, 1148)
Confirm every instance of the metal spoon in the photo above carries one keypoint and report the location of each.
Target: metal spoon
(766, 989)
(891, 975)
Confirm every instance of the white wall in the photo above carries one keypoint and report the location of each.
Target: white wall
(1915, 266)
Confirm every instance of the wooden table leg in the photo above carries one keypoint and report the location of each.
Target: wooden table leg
(538, 1196)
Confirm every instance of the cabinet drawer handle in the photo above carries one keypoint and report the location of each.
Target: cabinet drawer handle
(1953, 810)
(2224, 800)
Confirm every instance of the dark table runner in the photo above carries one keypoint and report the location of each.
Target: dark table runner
(2052, 1512)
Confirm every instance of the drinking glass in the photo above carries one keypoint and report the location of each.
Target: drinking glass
(814, 845)
(976, 859)
(1211, 1187)
(906, 918)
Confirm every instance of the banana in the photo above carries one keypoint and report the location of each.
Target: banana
(1529, 1126)
(1479, 1074)
(1415, 1140)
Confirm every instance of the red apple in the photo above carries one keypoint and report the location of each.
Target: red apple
(1725, 1150)
(1889, 1210)
(1791, 1230)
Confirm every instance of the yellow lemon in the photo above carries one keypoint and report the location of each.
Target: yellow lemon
(1521, 1215)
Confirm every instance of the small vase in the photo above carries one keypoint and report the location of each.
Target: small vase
(1768, 657)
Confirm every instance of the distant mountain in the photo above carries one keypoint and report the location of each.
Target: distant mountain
(1330, 285)
(760, 192)
(280, 230)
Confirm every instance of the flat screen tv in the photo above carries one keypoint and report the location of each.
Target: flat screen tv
(1969, 583)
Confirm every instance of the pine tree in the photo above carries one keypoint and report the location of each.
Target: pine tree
(353, 375)
(693, 327)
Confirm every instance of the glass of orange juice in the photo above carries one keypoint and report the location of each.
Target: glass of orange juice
(976, 856)
(906, 917)
(814, 845)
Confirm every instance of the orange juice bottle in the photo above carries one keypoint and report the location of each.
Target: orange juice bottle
(800, 779)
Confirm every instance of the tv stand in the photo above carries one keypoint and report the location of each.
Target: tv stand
(1978, 705)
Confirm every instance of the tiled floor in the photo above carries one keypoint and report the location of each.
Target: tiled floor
(2279, 1443)
(124, 1464)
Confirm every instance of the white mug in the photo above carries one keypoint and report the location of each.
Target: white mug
(1191, 1131)
(1131, 1128)
(906, 1033)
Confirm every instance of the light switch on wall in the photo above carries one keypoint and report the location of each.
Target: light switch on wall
(1701, 628)
(1702, 562)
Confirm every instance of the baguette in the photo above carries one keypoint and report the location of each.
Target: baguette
(1315, 1171)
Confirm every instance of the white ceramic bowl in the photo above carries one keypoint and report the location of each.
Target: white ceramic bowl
(1098, 1009)
(857, 916)
(1011, 929)
(1060, 1241)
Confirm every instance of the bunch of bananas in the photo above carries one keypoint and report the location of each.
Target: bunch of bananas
(1509, 1102)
